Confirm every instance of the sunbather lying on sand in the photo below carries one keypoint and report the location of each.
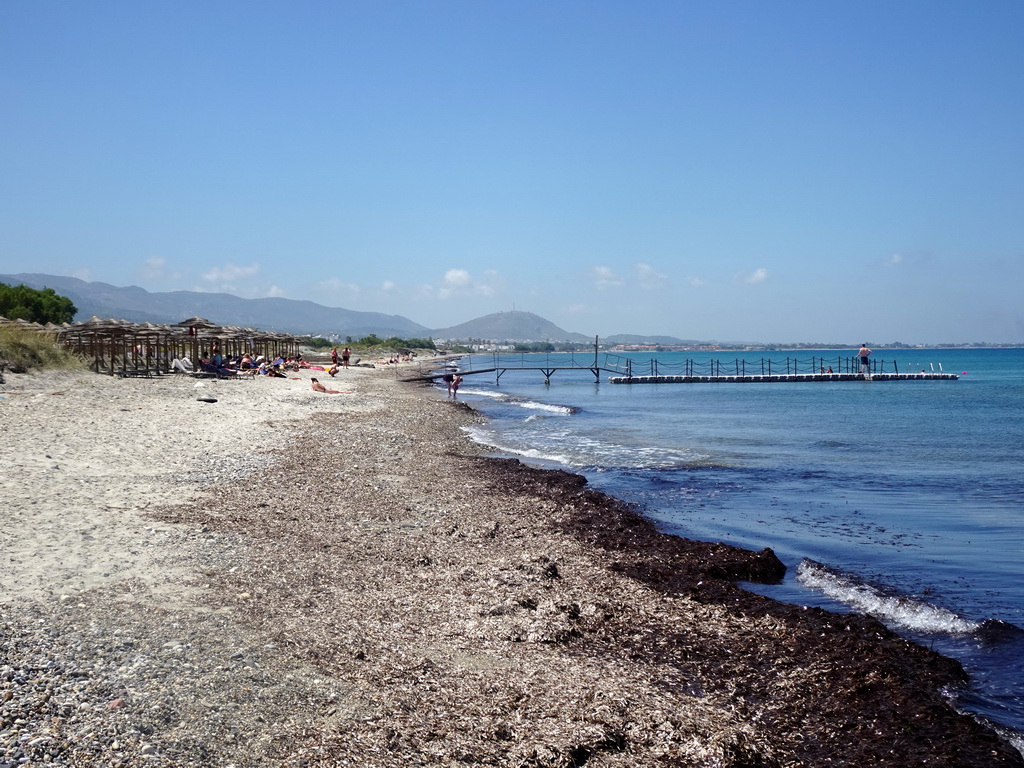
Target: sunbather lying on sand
(318, 387)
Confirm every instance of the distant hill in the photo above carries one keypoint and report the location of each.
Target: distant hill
(272, 314)
(511, 327)
(303, 317)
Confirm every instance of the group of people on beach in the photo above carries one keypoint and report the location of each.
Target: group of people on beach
(395, 360)
(246, 364)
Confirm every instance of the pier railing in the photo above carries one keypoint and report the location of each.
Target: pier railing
(536, 361)
(764, 366)
(625, 369)
(501, 362)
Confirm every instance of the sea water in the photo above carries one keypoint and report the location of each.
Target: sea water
(901, 499)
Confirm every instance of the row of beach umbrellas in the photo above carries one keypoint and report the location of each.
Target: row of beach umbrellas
(121, 346)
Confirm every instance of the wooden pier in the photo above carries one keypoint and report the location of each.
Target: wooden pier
(794, 377)
(500, 370)
(630, 370)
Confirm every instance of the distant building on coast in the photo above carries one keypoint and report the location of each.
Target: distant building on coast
(666, 348)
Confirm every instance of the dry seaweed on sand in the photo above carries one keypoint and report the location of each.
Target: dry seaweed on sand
(492, 614)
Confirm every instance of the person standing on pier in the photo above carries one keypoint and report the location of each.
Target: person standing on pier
(864, 354)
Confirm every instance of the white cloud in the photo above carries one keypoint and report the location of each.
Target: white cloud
(491, 283)
(332, 292)
(697, 282)
(333, 286)
(456, 278)
(757, 276)
(388, 286)
(454, 282)
(895, 259)
(230, 273)
(82, 273)
(649, 277)
(459, 282)
(154, 269)
(246, 281)
(605, 278)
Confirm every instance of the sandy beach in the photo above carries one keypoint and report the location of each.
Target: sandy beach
(288, 578)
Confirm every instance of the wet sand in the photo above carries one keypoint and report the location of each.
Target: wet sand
(287, 578)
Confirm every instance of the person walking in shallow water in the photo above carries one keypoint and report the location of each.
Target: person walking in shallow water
(864, 353)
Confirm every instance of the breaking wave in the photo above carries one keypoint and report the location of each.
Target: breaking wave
(521, 402)
(885, 605)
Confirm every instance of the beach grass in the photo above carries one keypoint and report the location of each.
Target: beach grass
(26, 350)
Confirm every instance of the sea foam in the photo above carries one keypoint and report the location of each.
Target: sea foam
(889, 607)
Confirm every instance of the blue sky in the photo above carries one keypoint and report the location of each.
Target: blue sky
(730, 170)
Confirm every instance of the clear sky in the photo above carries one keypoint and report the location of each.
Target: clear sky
(733, 170)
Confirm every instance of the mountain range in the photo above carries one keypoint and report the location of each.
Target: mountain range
(297, 317)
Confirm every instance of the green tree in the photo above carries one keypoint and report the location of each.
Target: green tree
(537, 346)
(19, 302)
(319, 342)
(420, 343)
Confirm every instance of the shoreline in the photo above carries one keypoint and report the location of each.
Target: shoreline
(311, 579)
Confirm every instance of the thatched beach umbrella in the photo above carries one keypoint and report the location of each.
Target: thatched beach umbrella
(197, 326)
(122, 339)
(149, 339)
(95, 336)
(234, 339)
(105, 340)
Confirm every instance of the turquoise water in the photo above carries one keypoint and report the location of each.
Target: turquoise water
(900, 499)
